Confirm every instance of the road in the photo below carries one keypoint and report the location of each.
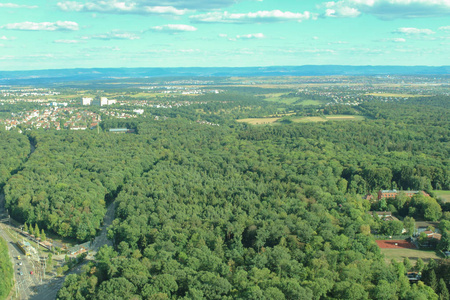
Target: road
(26, 281)
(32, 286)
(49, 289)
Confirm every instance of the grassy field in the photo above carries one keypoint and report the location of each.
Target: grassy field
(308, 119)
(146, 95)
(271, 120)
(395, 95)
(276, 97)
(412, 254)
(444, 195)
(328, 118)
(310, 102)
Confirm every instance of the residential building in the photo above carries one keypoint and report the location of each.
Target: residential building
(393, 193)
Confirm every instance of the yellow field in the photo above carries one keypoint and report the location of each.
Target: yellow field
(395, 95)
(344, 117)
(412, 254)
(258, 121)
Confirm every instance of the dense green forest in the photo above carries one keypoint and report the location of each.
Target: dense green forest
(14, 149)
(238, 211)
(6, 270)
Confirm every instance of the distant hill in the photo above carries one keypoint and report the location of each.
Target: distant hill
(36, 77)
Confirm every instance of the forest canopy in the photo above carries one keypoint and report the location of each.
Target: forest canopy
(237, 211)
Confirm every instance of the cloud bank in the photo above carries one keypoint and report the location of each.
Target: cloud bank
(413, 31)
(387, 9)
(114, 35)
(120, 7)
(13, 5)
(172, 28)
(44, 26)
(251, 17)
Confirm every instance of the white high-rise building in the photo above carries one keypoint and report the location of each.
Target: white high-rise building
(103, 101)
(86, 101)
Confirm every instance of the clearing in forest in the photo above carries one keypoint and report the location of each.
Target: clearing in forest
(412, 254)
(309, 119)
(258, 121)
(329, 118)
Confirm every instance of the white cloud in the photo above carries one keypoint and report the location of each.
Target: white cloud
(102, 5)
(387, 9)
(114, 35)
(4, 38)
(252, 17)
(174, 28)
(315, 37)
(100, 50)
(120, 7)
(13, 5)
(342, 12)
(394, 40)
(251, 36)
(67, 41)
(413, 31)
(45, 26)
(444, 28)
(223, 35)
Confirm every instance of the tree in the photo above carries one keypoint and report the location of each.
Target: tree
(43, 236)
(407, 264)
(410, 225)
(432, 280)
(36, 231)
(365, 229)
(444, 243)
(443, 291)
(385, 290)
(25, 227)
(392, 227)
(419, 265)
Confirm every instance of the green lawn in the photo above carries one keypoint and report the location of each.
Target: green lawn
(412, 254)
(444, 195)
(310, 102)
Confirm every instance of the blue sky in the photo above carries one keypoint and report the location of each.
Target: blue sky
(46, 34)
